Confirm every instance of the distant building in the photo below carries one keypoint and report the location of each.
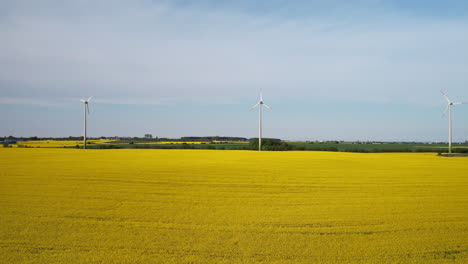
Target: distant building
(148, 136)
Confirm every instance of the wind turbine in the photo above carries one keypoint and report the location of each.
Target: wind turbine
(86, 112)
(449, 109)
(259, 105)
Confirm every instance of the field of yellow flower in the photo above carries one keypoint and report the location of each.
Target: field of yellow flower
(58, 143)
(73, 143)
(205, 206)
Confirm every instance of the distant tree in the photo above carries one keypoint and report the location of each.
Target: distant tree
(271, 144)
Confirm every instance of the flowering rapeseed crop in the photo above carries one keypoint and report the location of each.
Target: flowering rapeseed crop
(59, 143)
(201, 206)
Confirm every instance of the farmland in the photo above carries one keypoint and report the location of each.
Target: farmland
(138, 143)
(209, 206)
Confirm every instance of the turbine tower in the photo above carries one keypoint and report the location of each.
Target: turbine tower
(449, 109)
(86, 112)
(259, 105)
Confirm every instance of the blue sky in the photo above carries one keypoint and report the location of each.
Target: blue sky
(332, 70)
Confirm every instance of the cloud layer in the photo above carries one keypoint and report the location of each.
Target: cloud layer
(165, 52)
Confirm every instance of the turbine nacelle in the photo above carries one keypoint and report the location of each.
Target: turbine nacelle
(86, 101)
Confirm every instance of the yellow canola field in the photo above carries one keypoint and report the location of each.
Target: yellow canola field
(73, 143)
(59, 143)
(205, 206)
(190, 142)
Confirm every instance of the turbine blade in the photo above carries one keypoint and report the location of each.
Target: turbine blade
(87, 108)
(89, 99)
(261, 94)
(255, 106)
(82, 100)
(446, 97)
(460, 103)
(269, 107)
(446, 109)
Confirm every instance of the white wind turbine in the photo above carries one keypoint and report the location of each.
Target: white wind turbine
(259, 105)
(86, 112)
(449, 109)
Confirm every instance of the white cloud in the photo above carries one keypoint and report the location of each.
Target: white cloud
(163, 51)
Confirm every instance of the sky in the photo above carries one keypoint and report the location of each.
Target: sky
(332, 70)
